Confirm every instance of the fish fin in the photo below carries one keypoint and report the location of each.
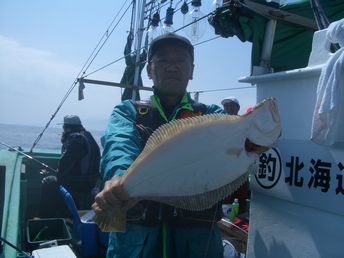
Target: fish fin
(204, 200)
(112, 221)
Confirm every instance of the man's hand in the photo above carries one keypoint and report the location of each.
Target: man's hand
(112, 197)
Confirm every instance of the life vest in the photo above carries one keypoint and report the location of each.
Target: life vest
(151, 213)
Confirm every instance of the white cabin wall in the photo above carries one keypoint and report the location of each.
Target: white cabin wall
(290, 215)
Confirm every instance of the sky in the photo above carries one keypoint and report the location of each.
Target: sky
(44, 45)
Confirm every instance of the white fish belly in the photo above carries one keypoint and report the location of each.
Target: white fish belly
(195, 161)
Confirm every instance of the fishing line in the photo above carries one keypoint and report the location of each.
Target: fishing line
(28, 156)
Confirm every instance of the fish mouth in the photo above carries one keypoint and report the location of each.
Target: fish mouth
(255, 148)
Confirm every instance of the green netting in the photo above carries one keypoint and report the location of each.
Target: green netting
(292, 43)
(129, 72)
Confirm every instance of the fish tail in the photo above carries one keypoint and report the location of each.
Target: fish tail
(112, 221)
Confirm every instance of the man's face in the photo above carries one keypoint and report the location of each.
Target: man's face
(171, 68)
(231, 108)
(66, 129)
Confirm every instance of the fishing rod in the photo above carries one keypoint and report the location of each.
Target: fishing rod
(28, 156)
(16, 248)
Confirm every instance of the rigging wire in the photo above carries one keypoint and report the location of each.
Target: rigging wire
(132, 52)
(207, 40)
(82, 71)
(178, 4)
(106, 34)
(123, 57)
(115, 61)
(194, 21)
(224, 89)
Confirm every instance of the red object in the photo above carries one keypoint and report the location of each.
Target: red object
(249, 109)
(241, 223)
(188, 113)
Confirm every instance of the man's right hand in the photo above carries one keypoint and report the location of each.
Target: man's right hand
(112, 197)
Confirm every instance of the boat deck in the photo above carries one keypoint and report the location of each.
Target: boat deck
(22, 180)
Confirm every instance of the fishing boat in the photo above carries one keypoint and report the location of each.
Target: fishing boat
(297, 192)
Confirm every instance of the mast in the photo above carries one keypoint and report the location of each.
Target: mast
(138, 42)
(265, 58)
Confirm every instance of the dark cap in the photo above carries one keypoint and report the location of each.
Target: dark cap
(170, 38)
(71, 120)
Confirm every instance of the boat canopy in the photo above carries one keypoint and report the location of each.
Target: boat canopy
(292, 43)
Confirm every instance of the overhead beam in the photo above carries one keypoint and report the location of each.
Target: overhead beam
(113, 84)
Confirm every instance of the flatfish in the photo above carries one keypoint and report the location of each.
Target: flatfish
(195, 162)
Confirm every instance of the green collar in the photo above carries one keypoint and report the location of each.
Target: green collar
(184, 104)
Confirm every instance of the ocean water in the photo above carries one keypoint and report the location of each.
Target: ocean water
(24, 136)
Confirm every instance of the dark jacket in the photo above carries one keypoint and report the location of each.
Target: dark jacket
(78, 168)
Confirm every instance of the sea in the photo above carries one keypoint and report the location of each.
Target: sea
(24, 136)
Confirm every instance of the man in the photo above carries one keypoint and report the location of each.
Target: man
(156, 230)
(78, 169)
(153, 229)
(231, 105)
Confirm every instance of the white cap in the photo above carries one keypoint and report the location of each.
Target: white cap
(230, 99)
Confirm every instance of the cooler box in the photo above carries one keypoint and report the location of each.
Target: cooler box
(90, 240)
(43, 230)
(62, 251)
